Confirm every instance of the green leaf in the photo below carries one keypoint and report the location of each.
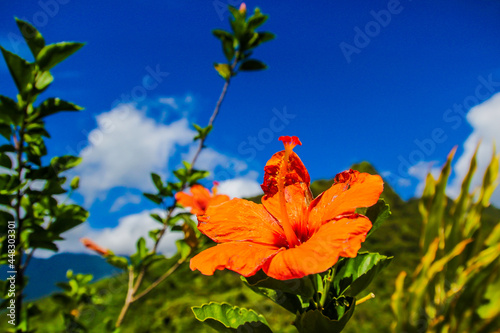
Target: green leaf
(68, 217)
(153, 197)
(222, 34)
(202, 131)
(6, 131)
(43, 80)
(288, 301)
(54, 105)
(32, 36)
(228, 49)
(224, 317)
(181, 174)
(183, 248)
(256, 20)
(53, 187)
(142, 250)
(262, 37)
(157, 181)
(5, 161)
(157, 217)
(154, 234)
(117, 261)
(197, 175)
(75, 182)
(224, 71)
(9, 111)
(355, 274)
(252, 65)
(53, 54)
(63, 163)
(302, 287)
(314, 321)
(21, 71)
(377, 214)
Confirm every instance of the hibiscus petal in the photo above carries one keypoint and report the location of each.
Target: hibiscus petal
(296, 208)
(198, 201)
(341, 237)
(218, 199)
(352, 190)
(200, 192)
(245, 258)
(296, 172)
(241, 220)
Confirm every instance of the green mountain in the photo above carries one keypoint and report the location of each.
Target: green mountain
(168, 308)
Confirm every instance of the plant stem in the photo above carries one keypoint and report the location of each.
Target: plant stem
(366, 298)
(160, 279)
(128, 299)
(134, 287)
(328, 282)
(19, 269)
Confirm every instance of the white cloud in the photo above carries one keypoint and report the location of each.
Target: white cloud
(125, 200)
(125, 148)
(242, 187)
(221, 166)
(120, 239)
(484, 119)
(170, 101)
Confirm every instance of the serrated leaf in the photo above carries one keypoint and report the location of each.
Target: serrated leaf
(355, 274)
(224, 317)
(314, 321)
(252, 65)
(32, 36)
(53, 54)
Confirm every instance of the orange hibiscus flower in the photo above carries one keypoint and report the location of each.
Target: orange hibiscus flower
(290, 235)
(91, 245)
(200, 198)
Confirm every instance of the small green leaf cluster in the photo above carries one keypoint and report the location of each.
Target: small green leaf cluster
(239, 44)
(77, 293)
(321, 303)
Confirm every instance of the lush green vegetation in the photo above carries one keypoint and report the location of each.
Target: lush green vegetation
(168, 309)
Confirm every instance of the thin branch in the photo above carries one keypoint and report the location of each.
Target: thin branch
(128, 299)
(134, 287)
(160, 279)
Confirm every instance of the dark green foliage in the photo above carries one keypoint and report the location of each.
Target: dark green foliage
(28, 187)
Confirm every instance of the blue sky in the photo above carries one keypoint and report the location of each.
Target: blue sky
(391, 82)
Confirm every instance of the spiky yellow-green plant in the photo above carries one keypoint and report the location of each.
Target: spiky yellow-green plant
(456, 286)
